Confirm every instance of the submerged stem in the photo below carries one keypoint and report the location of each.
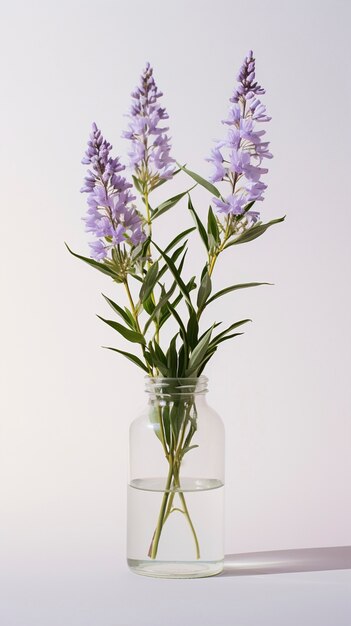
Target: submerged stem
(156, 538)
(173, 487)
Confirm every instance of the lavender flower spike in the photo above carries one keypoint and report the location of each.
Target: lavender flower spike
(150, 144)
(111, 217)
(238, 158)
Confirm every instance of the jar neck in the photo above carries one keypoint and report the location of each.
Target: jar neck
(169, 389)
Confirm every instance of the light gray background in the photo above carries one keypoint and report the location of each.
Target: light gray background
(283, 389)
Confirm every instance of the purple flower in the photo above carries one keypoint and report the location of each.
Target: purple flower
(255, 191)
(217, 160)
(234, 204)
(111, 216)
(237, 159)
(247, 87)
(150, 144)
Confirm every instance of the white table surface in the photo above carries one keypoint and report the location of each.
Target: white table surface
(251, 592)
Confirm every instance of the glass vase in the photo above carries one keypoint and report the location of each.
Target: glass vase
(176, 483)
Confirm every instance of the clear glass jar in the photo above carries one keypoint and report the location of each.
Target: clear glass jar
(176, 483)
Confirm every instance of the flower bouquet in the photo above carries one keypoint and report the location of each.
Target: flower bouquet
(122, 218)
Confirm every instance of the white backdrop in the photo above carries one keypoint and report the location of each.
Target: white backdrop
(282, 389)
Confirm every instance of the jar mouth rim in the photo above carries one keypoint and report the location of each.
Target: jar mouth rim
(186, 379)
(160, 385)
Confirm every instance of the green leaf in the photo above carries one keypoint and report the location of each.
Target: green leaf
(209, 356)
(176, 419)
(160, 363)
(166, 313)
(162, 301)
(182, 358)
(159, 353)
(228, 337)
(215, 325)
(182, 286)
(184, 350)
(137, 184)
(166, 423)
(168, 204)
(212, 229)
(136, 277)
(192, 330)
(218, 338)
(131, 335)
(254, 232)
(185, 450)
(129, 356)
(154, 417)
(222, 292)
(248, 206)
(202, 181)
(172, 358)
(148, 305)
(174, 257)
(199, 224)
(98, 266)
(121, 312)
(149, 282)
(164, 180)
(204, 291)
(130, 316)
(180, 322)
(199, 353)
(179, 238)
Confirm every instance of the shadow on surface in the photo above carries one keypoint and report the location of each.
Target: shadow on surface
(284, 561)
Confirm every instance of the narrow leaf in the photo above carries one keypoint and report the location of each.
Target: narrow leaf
(202, 181)
(98, 266)
(148, 305)
(204, 291)
(209, 356)
(199, 352)
(137, 184)
(182, 286)
(159, 353)
(215, 325)
(212, 228)
(129, 356)
(162, 181)
(172, 358)
(185, 450)
(222, 292)
(149, 282)
(179, 238)
(154, 417)
(199, 224)
(168, 204)
(180, 322)
(163, 300)
(156, 362)
(248, 206)
(174, 257)
(131, 335)
(121, 312)
(166, 314)
(192, 330)
(254, 232)
(217, 339)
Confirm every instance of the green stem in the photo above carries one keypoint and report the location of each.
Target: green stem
(149, 223)
(156, 538)
(186, 512)
(172, 488)
(135, 316)
(213, 259)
